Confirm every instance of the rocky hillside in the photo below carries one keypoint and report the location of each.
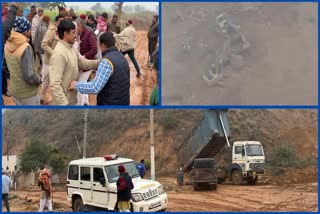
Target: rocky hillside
(126, 132)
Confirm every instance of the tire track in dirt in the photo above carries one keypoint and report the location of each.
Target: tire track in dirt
(141, 93)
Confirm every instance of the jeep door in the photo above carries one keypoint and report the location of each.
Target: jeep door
(85, 184)
(99, 191)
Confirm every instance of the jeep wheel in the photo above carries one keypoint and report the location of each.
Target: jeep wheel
(237, 177)
(253, 181)
(77, 205)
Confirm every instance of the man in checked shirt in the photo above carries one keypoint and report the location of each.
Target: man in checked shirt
(112, 81)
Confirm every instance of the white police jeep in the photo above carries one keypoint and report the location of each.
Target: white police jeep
(92, 182)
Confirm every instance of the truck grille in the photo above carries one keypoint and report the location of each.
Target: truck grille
(150, 194)
(256, 166)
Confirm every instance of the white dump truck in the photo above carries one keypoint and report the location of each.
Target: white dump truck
(207, 139)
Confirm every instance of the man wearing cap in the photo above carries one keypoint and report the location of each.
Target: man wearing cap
(112, 81)
(35, 23)
(153, 37)
(113, 25)
(64, 65)
(126, 39)
(6, 185)
(124, 187)
(19, 56)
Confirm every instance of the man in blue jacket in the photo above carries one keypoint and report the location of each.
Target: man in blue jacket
(141, 168)
(6, 185)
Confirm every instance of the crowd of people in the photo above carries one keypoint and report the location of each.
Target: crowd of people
(61, 54)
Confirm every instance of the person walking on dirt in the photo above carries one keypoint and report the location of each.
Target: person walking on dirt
(112, 80)
(141, 168)
(124, 187)
(126, 40)
(6, 185)
(153, 37)
(64, 65)
(180, 177)
(113, 25)
(45, 185)
(15, 176)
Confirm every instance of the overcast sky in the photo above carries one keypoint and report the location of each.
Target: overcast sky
(86, 5)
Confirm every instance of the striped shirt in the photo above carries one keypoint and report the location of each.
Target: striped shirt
(104, 72)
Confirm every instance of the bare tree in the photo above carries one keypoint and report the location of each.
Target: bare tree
(119, 11)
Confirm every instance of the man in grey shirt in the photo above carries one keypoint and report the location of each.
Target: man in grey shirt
(6, 184)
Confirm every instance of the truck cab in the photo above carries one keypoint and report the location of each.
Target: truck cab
(204, 173)
(248, 162)
(92, 182)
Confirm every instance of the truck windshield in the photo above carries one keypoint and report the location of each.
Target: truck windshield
(254, 150)
(203, 164)
(113, 174)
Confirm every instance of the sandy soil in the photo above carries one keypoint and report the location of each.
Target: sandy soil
(280, 67)
(302, 197)
(279, 195)
(140, 88)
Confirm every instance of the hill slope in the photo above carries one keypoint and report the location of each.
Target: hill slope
(126, 132)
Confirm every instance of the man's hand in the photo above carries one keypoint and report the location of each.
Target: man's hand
(72, 85)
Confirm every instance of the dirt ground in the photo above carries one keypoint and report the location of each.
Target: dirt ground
(280, 66)
(140, 88)
(295, 190)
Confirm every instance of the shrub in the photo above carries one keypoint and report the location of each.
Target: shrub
(284, 155)
(169, 123)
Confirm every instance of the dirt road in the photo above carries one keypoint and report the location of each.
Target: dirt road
(291, 197)
(140, 88)
(295, 197)
(275, 70)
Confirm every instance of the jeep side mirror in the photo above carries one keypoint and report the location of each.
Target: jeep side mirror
(103, 182)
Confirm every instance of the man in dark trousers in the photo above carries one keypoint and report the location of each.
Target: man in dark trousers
(124, 187)
(112, 80)
(153, 37)
(6, 185)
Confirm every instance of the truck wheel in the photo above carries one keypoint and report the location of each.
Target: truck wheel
(252, 181)
(195, 187)
(237, 177)
(77, 205)
(214, 187)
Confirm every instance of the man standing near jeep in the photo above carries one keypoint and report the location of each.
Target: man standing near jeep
(124, 187)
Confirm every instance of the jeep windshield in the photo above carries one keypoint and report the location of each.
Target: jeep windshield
(254, 150)
(113, 174)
